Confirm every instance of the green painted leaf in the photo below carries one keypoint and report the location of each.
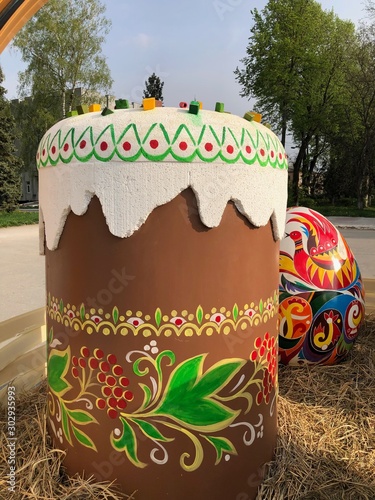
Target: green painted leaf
(164, 354)
(83, 438)
(187, 400)
(137, 370)
(115, 315)
(199, 314)
(65, 423)
(150, 430)
(61, 306)
(235, 312)
(158, 316)
(221, 444)
(128, 443)
(82, 312)
(147, 395)
(57, 367)
(218, 376)
(81, 416)
(261, 306)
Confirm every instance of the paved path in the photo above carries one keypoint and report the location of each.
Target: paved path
(22, 283)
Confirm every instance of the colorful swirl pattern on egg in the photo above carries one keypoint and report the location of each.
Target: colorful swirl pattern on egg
(322, 299)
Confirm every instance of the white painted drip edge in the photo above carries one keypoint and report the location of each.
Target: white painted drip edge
(128, 193)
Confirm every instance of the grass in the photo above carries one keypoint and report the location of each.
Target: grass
(329, 211)
(346, 207)
(18, 218)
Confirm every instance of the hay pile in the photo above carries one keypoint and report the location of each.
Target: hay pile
(326, 444)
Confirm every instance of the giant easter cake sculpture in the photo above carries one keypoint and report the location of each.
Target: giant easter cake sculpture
(161, 231)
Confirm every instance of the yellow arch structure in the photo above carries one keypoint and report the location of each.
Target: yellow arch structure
(14, 14)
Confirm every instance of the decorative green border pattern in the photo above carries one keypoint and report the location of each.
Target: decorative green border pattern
(220, 320)
(158, 144)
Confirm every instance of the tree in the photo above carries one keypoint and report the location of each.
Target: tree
(294, 67)
(154, 87)
(10, 164)
(62, 46)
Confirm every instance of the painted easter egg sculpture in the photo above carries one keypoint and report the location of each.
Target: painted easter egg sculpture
(322, 301)
(161, 231)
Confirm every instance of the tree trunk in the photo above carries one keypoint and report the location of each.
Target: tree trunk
(296, 170)
(63, 104)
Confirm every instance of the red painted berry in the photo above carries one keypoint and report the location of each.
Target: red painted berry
(124, 381)
(111, 381)
(117, 391)
(117, 370)
(253, 355)
(112, 413)
(128, 395)
(112, 359)
(107, 391)
(74, 372)
(82, 363)
(101, 377)
(112, 402)
(259, 398)
(98, 353)
(121, 404)
(257, 342)
(104, 366)
(100, 403)
(75, 360)
(93, 363)
(85, 352)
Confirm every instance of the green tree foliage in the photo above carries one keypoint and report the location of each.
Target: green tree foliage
(354, 142)
(33, 116)
(154, 87)
(294, 68)
(10, 164)
(62, 46)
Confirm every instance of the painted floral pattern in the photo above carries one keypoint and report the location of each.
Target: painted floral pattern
(206, 413)
(219, 144)
(219, 320)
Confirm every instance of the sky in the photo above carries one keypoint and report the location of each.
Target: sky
(192, 45)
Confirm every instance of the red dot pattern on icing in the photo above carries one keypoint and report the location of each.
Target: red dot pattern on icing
(154, 143)
(66, 147)
(82, 144)
(44, 152)
(230, 149)
(262, 152)
(208, 146)
(103, 146)
(127, 146)
(183, 145)
(272, 154)
(53, 150)
(248, 149)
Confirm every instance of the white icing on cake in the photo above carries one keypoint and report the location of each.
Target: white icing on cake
(136, 160)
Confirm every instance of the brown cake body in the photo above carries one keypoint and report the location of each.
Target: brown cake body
(175, 265)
